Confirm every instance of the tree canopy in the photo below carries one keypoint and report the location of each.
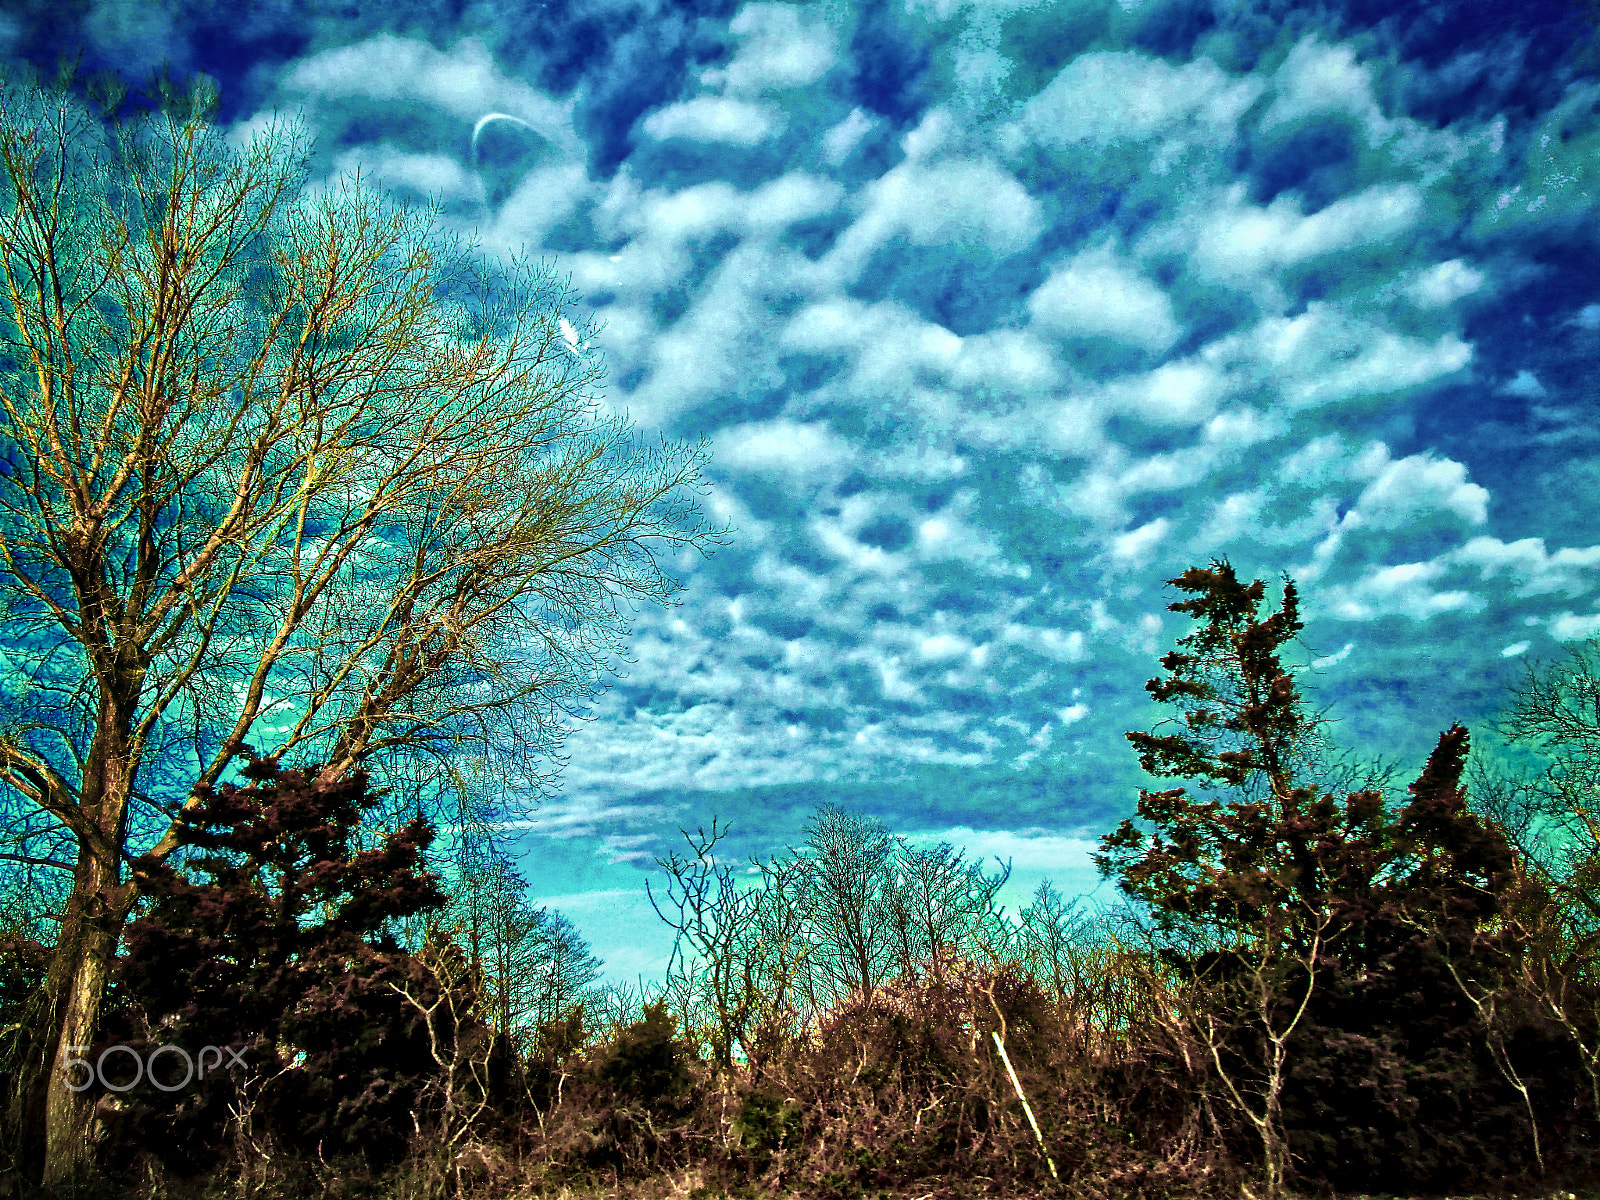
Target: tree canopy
(280, 462)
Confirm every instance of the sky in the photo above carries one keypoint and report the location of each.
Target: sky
(995, 316)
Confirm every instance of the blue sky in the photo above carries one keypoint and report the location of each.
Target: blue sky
(995, 316)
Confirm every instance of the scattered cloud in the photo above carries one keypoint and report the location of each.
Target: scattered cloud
(994, 318)
(716, 119)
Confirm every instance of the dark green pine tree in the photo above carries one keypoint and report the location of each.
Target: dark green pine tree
(275, 941)
(1392, 1079)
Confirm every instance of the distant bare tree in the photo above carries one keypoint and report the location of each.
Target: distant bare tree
(848, 895)
(713, 921)
(780, 945)
(534, 963)
(1553, 817)
(1053, 941)
(941, 906)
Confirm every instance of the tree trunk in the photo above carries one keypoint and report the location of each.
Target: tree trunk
(68, 1114)
(85, 953)
(50, 1121)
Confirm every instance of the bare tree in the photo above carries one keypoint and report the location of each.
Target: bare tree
(941, 906)
(741, 951)
(281, 465)
(780, 944)
(1552, 816)
(712, 920)
(848, 894)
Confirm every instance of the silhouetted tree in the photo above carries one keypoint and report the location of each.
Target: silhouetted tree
(283, 954)
(1327, 940)
(535, 964)
(848, 888)
(940, 908)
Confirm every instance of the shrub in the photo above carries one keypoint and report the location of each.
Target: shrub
(647, 1063)
(283, 955)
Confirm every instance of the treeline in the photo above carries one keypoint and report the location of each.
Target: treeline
(1322, 982)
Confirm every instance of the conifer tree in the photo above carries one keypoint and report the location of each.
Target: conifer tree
(283, 956)
(1327, 937)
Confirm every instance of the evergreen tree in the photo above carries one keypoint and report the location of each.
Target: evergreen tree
(1343, 946)
(283, 956)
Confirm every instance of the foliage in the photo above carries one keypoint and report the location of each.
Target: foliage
(282, 953)
(1326, 940)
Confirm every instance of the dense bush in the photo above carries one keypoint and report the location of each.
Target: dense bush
(283, 956)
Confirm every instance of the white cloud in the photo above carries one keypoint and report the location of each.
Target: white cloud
(692, 213)
(715, 119)
(1403, 590)
(944, 646)
(1444, 283)
(864, 379)
(1135, 547)
(1319, 460)
(1178, 393)
(1317, 78)
(722, 345)
(1100, 493)
(1515, 649)
(845, 136)
(464, 81)
(796, 196)
(949, 535)
(1111, 96)
(1327, 355)
(969, 205)
(1570, 627)
(1005, 360)
(889, 343)
(1333, 660)
(544, 199)
(1025, 850)
(1420, 483)
(1240, 242)
(1096, 294)
(132, 35)
(782, 448)
(780, 46)
(1525, 384)
(1067, 647)
(1536, 571)
(431, 174)
(1398, 492)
